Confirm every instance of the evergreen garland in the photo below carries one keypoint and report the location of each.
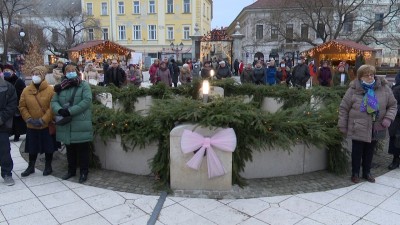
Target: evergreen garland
(256, 130)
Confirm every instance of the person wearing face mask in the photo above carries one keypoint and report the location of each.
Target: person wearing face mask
(300, 73)
(259, 74)
(34, 106)
(74, 98)
(19, 125)
(366, 111)
(282, 73)
(8, 106)
(341, 78)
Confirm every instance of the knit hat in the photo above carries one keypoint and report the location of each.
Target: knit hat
(42, 70)
(9, 66)
(222, 62)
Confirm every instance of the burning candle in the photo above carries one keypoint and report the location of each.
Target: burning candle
(206, 89)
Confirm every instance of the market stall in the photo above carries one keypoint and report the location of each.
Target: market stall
(335, 51)
(98, 50)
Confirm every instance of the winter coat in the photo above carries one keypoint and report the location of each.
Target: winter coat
(18, 84)
(8, 105)
(300, 75)
(196, 70)
(80, 129)
(337, 77)
(325, 76)
(176, 73)
(30, 108)
(359, 124)
(19, 125)
(118, 80)
(164, 76)
(270, 75)
(185, 76)
(223, 72)
(152, 71)
(283, 74)
(247, 76)
(205, 72)
(259, 75)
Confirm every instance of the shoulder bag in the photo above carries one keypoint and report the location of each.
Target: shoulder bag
(51, 125)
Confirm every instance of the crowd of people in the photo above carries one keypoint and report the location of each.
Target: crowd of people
(61, 113)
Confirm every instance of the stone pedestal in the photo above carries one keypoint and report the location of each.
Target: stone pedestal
(143, 105)
(105, 99)
(215, 91)
(185, 178)
(271, 105)
(237, 43)
(196, 42)
(113, 157)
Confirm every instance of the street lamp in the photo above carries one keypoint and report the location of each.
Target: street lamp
(22, 35)
(176, 48)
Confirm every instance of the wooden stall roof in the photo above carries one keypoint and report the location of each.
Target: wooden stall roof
(100, 46)
(343, 45)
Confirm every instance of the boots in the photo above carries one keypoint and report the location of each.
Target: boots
(83, 177)
(29, 170)
(31, 166)
(395, 163)
(47, 168)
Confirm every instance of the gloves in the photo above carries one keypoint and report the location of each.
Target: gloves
(386, 122)
(57, 88)
(64, 112)
(35, 122)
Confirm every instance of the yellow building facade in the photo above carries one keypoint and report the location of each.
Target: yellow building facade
(149, 26)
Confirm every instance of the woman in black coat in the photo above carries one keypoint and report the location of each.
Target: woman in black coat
(19, 125)
(395, 127)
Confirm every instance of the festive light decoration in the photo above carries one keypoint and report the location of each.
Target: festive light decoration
(92, 49)
(339, 48)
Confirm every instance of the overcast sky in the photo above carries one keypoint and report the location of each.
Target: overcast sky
(225, 11)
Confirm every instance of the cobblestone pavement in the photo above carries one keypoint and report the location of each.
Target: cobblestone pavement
(288, 185)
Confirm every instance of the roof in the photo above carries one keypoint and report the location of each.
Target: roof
(276, 4)
(344, 45)
(100, 46)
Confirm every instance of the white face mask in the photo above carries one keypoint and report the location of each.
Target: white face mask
(300, 61)
(282, 65)
(369, 83)
(36, 79)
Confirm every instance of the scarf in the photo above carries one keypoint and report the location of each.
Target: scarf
(67, 83)
(369, 102)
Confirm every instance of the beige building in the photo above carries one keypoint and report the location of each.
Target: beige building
(151, 27)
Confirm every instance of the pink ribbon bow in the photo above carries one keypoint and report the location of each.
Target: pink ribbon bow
(192, 141)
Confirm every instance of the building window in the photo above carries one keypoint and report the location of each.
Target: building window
(208, 12)
(90, 34)
(289, 33)
(105, 33)
(121, 33)
(152, 32)
(259, 32)
(186, 33)
(170, 6)
(89, 9)
(152, 6)
(304, 31)
(170, 33)
(186, 6)
(378, 26)
(320, 30)
(348, 23)
(204, 9)
(136, 7)
(121, 8)
(137, 32)
(274, 33)
(104, 9)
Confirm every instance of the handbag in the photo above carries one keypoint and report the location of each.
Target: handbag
(63, 120)
(51, 126)
(378, 132)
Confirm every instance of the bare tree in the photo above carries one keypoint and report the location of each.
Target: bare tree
(34, 34)
(70, 26)
(9, 11)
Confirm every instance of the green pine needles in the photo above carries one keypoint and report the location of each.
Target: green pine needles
(299, 121)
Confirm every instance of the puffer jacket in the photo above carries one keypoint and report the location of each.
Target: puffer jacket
(359, 124)
(80, 129)
(258, 75)
(29, 106)
(8, 105)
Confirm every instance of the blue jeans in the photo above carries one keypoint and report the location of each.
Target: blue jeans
(6, 162)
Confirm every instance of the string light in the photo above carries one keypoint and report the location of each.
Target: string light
(339, 46)
(105, 47)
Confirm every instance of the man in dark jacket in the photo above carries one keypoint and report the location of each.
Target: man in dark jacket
(8, 107)
(300, 74)
(115, 75)
(223, 71)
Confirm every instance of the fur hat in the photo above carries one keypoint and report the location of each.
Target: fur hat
(9, 66)
(222, 62)
(42, 70)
